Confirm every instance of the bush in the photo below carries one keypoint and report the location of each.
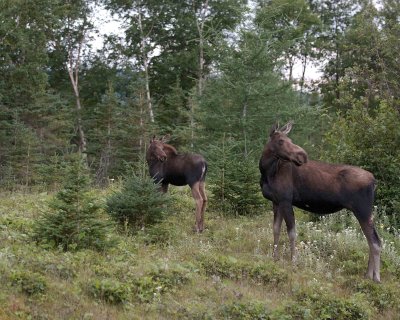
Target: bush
(245, 311)
(29, 282)
(109, 290)
(313, 303)
(141, 288)
(381, 297)
(231, 268)
(139, 204)
(160, 281)
(73, 221)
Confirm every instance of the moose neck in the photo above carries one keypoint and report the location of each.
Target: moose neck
(170, 150)
(271, 163)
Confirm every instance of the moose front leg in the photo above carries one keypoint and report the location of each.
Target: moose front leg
(291, 230)
(277, 230)
(164, 187)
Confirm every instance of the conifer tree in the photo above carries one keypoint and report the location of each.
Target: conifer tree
(73, 221)
(139, 204)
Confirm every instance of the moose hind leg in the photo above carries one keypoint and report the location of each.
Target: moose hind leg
(202, 189)
(291, 230)
(278, 218)
(375, 247)
(199, 204)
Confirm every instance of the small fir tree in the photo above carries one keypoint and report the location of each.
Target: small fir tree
(73, 221)
(234, 183)
(139, 203)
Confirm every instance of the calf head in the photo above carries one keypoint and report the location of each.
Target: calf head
(156, 150)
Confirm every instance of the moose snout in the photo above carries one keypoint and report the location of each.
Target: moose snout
(302, 158)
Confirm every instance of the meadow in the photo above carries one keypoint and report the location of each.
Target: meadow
(170, 272)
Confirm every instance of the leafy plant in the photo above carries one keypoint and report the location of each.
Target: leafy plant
(245, 311)
(315, 303)
(29, 282)
(109, 290)
(232, 268)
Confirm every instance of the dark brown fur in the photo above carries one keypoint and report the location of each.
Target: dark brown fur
(288, 178)
(167, 166)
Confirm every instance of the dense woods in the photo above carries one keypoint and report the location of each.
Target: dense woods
(215, 75)
(210, 73)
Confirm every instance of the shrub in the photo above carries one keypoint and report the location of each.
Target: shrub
(73, 221)
(242, 311)
(160, 281)
(139, 204)
(29, 282)
(381, 297)
(318, 303)
(231, 268)
(109, 290)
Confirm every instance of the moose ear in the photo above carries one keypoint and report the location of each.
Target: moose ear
(287, 127)
(274, 129)
(152, 139)
(165, 138)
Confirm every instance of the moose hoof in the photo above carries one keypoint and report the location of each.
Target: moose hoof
(198, 230)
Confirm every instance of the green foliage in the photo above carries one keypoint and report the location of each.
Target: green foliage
(145, 288)
(234, 180)
(109, 290)
(139, 204)
(227, 272)
(73, 221)
(381, 298)
(370, 139)
(232, 268)
(314, 303)
(30, 283)
(245, 311)
(159, 281)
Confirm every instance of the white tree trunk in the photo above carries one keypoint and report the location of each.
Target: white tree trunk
(145, 66)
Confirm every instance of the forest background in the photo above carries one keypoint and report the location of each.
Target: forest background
(214, 74)
(210, 73)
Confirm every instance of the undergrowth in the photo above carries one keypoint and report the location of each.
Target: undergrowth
(166, 271)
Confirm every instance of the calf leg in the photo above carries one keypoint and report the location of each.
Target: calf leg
(202, 189)
(199, 204)
(375, 247)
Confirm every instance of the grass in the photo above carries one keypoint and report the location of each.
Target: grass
(169, 272)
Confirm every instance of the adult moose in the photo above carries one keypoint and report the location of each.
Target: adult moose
(289, 178)
(167, 166)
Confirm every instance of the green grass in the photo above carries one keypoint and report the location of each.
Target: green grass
(170, 272)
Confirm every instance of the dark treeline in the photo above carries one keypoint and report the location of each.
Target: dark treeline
(215, 74)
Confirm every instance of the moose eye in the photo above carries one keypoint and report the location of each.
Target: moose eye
(280, 142)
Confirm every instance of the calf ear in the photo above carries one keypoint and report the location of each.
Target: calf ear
(287, 127)
(274, 129)
(152, 139)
